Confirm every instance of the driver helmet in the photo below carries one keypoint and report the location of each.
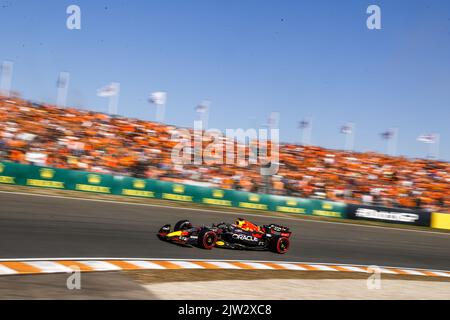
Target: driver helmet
(246, 225)
(240, 223)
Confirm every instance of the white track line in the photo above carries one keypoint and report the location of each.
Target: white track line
(223, 212)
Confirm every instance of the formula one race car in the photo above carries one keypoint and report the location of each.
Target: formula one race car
(242, 235)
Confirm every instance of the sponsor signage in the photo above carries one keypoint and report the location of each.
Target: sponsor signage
(36, 176)
(328, 209)
(217, 197)
(44, 177)
(176, 192)
(440, 220)
(93, 183)
(390, 215)
(135, 188)
(290, 205)
(8, 174)
(252, 201)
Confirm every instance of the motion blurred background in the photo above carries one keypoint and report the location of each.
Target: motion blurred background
(363, 114)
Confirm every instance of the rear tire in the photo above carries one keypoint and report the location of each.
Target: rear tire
(182, 225)
(280, 245)
(207, 239)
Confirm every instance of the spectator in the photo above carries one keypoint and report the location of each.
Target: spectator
(83, 140)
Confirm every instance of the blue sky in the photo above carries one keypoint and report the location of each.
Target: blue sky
(300, 58)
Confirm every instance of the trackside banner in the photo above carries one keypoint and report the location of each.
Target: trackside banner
(44, 177)
(440, 220)
(390, 215)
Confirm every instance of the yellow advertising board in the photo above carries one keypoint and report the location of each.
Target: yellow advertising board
(440, 220)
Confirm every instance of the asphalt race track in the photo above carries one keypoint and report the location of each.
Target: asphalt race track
(44, 227)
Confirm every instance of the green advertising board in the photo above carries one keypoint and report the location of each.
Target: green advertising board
(255, 201)
(90, 182)
(177, 191)
(216, 197)
(12, 173)
(44, 177)
(134, 187)
(328, 209)
(290, 205)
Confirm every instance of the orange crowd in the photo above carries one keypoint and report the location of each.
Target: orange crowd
(76, 139)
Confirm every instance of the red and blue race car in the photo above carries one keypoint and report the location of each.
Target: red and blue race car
(242, 235)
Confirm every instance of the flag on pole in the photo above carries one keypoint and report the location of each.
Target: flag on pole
(346, 129)
(427, 138)
(203, 113)
(6, 72)
(159, 98)
(391, 136)
(62, 85)
(387, 134)
(6, 68)
(274, 120)
(202, 107)
(109, 90)
(303, 124)
(62, 80)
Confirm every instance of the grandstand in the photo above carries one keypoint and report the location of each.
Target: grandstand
(45, 135)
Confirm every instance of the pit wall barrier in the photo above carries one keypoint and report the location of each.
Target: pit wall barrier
(45, 177)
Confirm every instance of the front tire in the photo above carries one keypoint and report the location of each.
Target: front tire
(207, 239)
(163, 232)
